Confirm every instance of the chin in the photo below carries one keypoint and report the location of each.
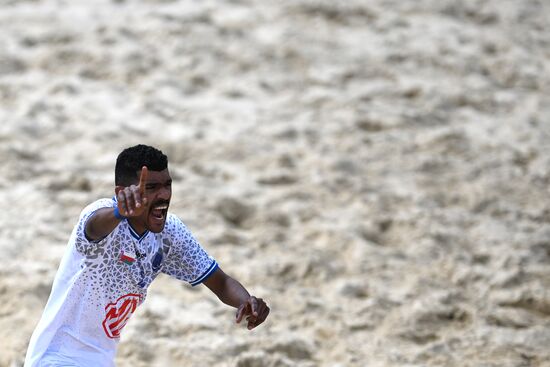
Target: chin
(156, 228)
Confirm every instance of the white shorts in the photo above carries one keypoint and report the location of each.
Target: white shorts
(53, 360)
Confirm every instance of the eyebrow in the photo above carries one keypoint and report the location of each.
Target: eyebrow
(158, 182)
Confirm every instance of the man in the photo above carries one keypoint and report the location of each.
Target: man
(115, 251)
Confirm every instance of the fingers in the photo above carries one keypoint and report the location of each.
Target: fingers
(122, 206)
(257, 312)
(143, 179)
(130, 201)
(258, 320)
(136, 197)
(263, 312)
(254, 305)
(246, 308)
(241, 312)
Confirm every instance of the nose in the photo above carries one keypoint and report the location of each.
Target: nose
(165, 193)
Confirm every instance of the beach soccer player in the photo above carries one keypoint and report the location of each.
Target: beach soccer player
(117, 248)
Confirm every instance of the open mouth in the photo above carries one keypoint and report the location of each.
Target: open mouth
(159, 212)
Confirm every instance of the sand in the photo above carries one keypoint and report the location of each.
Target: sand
(377, 170)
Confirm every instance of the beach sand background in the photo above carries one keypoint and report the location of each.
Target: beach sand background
(377, 170)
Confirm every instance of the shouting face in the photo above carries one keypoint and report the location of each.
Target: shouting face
(158, 192)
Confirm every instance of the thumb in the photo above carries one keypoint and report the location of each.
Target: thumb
(241, 312)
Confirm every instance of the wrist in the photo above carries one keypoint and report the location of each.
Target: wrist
(117, 214)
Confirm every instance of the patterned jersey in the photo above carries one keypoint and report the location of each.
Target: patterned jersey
(100, 284)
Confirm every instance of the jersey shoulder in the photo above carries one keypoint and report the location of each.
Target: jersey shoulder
(98, 204)
(173, 225)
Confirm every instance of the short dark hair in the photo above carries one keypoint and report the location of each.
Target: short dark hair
(130, 161)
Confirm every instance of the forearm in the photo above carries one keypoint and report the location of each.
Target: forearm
(101, 224)
(227, 289)
(233, 293)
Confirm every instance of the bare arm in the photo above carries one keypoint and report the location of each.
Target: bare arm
(232, 293)
(131, 202)
(101, 223)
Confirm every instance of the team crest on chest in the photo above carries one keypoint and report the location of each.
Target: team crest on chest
(118, 313)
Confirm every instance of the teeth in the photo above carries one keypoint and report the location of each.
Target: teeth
(162, 207)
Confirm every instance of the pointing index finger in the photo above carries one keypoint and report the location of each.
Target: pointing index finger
(143, 178)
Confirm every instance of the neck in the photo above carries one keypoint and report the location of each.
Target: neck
(139, 228)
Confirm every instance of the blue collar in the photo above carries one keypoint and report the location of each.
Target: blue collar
(135, 234)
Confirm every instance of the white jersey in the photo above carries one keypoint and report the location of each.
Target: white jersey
(100, 284)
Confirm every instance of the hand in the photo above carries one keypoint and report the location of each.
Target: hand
(131, 200)
(256, 309)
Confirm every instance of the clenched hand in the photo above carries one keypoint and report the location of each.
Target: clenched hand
(256, 310)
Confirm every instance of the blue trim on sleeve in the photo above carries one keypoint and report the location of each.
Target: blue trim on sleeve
(206, 274)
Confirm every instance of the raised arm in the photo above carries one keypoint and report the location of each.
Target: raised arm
(131, 202)
(232, 293)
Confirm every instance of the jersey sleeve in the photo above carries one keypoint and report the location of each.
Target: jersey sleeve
(186, 259)
(83, 244)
